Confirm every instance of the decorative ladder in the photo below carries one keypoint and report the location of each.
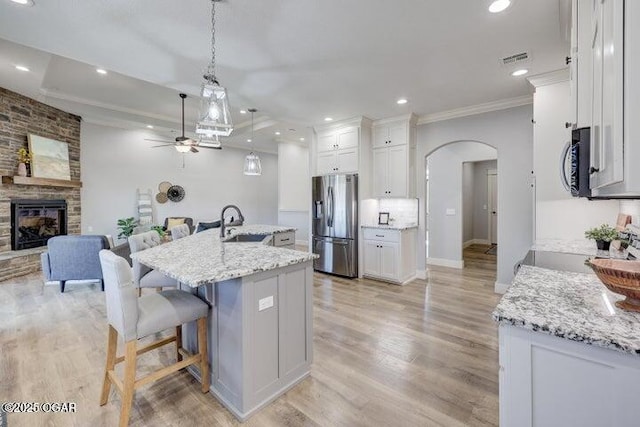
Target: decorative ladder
(145, 210)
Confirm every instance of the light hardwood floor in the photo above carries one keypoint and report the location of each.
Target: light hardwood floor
(384, 355)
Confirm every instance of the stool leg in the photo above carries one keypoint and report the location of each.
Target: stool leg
(129, 382)
(112, 345)
(139, 292)
(178, 342)
(204, 353)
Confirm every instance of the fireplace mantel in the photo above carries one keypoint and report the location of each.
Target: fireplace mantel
(46, 182)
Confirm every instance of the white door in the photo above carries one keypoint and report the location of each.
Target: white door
(371, 258)
(347, 160)
(326, 142)
(347, 138)
(492, 190)
(397, 172)
(326, 163)
(380, 136)
(389, 261)
(380, 161)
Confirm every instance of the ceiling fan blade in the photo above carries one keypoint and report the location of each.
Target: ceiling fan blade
(159, 140)
(211, 148)
(163, 145)
(193, 149)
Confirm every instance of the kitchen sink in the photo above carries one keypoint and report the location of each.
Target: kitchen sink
(249, 238)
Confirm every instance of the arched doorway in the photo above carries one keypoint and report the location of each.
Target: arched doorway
(461, 211)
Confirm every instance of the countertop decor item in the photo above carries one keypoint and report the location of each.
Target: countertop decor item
(214, 117)
(24, 157)
(383, 218)
(621, 277)
(603, 235)
(175, 193)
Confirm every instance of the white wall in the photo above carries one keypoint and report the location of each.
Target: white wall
(510, 132)
(116, 161)
(558, 215)
(446, 186)
(294, 188)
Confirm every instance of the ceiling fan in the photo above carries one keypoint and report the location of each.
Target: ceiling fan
(184, 144)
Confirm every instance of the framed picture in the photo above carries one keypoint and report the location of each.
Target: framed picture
(383, 218)
(49, 158)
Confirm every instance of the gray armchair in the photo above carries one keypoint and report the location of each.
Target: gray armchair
(73, 258)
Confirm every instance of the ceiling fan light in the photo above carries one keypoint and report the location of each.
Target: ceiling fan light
(252, 165)
(214, 117)
(183, 148)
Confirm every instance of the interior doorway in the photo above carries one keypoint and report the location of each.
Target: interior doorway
(492, 202)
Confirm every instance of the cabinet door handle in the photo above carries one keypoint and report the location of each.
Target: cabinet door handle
(593, 170)
(567, 60)
(568, 124)
(379, 235)
(284, 240)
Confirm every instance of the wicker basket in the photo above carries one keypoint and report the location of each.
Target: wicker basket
(621, 277)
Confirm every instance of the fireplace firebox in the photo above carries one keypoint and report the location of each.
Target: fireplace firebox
(33, 222)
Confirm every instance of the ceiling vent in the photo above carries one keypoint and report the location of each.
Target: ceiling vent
(518, 58)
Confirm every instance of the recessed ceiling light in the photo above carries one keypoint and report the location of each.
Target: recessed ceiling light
(22, 68)
(521, 72)
(401, 101)
(101, 71)
(24, 2)
(248, 139)
(301, 139)
(277, 133)
(498, 6)
(243, 111)
(149, 127)
(328, 119)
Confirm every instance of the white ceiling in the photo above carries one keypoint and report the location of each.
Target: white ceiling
(295, 60)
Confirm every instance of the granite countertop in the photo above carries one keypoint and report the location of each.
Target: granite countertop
(579, 247)
(205, 258)
(392, 227)
(574, 306)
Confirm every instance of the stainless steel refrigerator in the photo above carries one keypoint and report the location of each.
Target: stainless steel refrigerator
(335, 224)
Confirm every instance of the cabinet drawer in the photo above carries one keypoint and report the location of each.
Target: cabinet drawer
(284, 239)
(382, 235)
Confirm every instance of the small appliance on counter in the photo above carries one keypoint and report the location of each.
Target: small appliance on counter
(335, 224)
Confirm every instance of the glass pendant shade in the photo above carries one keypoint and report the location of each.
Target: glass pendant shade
(206, 141)
(214, 117)
(252, 165)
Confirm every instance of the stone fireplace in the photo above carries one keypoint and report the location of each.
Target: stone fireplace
(20, 116)
(34, 222)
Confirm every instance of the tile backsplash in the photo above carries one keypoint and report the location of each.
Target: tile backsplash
(401, 211)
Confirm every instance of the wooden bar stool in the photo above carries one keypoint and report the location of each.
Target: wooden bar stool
(136, 317)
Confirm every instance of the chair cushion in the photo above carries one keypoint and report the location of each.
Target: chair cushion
(172, 222)
(207, 225)
(155, 279)
(180, 231)
(168, 309)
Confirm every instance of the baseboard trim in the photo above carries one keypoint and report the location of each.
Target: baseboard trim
(421, 274)
(442, 262)
(302, 242)
(500, 288)
(475, 242)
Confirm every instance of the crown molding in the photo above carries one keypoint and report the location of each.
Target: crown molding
(360, 121)
(471, 110)
(411, 118)
(549, 78)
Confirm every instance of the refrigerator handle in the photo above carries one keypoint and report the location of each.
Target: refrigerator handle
(330, 208)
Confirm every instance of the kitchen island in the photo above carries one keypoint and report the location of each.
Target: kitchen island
(260, 322)
(568, 355)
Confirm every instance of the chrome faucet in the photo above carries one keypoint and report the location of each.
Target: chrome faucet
(239, 221)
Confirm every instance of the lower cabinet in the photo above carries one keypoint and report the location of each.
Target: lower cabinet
(389, 254)
(285, 240)
(550, 381)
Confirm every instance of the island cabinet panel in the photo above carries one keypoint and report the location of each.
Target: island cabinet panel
(551, 381)
(260, 335)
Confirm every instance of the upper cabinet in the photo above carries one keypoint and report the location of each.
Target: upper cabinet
(393, 171)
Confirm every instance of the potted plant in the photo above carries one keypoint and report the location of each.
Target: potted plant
(126, 226)
(603, 236)
(24, 158)
(160, 230)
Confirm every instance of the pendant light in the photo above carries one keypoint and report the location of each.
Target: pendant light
(214, 118)
(252, 165)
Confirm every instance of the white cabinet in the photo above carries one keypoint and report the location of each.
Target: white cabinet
(285, 240)
(607, 133)
(387, 134)
(393, 171)
(550, 381)
(580, 63)
(337, 151)
(389, 254)
(390, 178)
